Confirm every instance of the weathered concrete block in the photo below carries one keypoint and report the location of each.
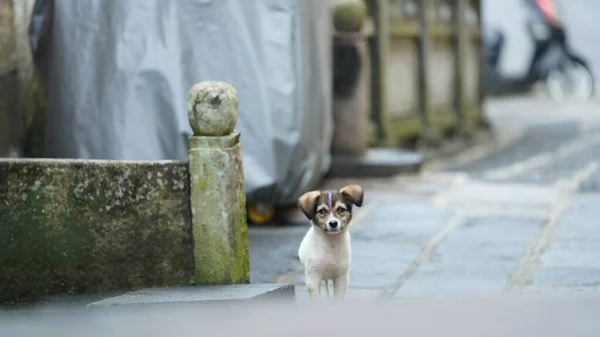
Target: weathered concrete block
(217, 194)
(91, 226)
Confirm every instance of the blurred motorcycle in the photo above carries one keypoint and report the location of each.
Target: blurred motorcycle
(564, 74)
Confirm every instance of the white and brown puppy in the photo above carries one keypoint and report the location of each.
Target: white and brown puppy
(325, 249)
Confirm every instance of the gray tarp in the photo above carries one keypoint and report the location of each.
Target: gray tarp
(119, 71)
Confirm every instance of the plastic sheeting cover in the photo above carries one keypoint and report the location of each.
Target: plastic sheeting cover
(119, 72)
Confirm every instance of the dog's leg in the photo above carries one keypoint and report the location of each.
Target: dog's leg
(313, 283)
(340, 286)
(327, 289)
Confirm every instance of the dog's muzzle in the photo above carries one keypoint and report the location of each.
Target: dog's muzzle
(333, 226)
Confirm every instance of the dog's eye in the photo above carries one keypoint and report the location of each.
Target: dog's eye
(341, 210)
(322, 211)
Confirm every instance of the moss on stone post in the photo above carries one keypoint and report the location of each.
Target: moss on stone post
(217, 186)
(349, 15)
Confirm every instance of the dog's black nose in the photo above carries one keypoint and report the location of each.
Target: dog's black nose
(333, 224)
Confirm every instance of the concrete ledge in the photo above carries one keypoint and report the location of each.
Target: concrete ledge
(378, 162)
(92, 226)
(200, 294)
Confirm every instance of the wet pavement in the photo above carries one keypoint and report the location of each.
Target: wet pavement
(522, 217)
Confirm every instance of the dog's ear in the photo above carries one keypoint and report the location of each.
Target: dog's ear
(353, 193)
(307, 203)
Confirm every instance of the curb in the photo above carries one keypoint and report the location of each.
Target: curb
(196, 295)
(376, 163)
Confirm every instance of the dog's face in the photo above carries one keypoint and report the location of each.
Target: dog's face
(331, 211)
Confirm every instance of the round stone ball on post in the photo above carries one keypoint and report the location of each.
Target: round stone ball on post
(349, 15)
(217, 196)
(212, 108)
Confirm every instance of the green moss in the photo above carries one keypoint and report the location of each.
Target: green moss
(474, 118)
(89, 227)
(203, 184)
(373, 138)
(41, 241)
(242, 270)
(444, 119)
(406, 128)
(220, 232)
(402, 29)
(349, 15)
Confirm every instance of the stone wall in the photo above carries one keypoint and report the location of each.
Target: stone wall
(91, 226)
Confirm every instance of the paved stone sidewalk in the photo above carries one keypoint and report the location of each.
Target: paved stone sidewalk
(447, 235)
(520, 216)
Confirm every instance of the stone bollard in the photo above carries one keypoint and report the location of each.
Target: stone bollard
(351, 81)
(217, 196)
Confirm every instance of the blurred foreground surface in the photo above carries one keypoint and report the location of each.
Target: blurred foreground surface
(415, 318)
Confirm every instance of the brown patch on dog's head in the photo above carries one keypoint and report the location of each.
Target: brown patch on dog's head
(307, 203)
(330, 210)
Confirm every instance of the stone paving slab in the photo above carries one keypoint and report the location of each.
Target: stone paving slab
(477, 257)
(581, 221)
(377, 273)
(567, 277)
(274, 250)
(495, 240)
(574, 253)
(572, 260)
(536, 139)
(390, 239)
(561, 169)
(374, 250)
(591, 184)
(411, 222)
(437, 278)
(477, 198)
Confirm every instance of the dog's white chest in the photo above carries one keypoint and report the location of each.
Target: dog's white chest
(325, 254)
